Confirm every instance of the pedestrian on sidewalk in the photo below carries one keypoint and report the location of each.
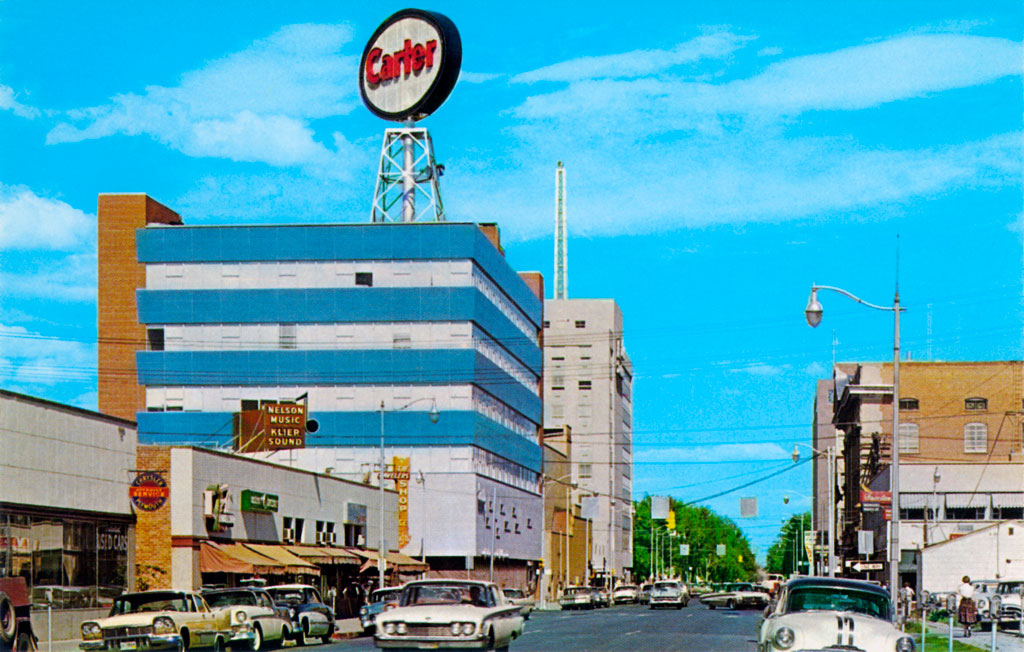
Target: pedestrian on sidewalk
(967, 612)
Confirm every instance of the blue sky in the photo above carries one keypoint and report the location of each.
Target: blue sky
(720, 158)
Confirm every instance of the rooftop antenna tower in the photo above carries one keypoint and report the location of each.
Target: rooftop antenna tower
(561, 237)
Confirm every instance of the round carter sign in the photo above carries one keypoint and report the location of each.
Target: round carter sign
(410, 65)
(149, 491)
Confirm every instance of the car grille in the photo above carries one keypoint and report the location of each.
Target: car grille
(1010, 612)
(115, 633)
(429, 630)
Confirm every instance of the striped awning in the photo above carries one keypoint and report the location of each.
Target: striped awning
(323, 555)
(916, 501)
(1015, 499)
(236, 558)
(959, 501)
(292, 563)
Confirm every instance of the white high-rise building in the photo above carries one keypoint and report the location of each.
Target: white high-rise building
(588, 385)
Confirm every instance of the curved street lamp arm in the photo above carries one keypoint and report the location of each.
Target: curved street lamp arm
(855, 298)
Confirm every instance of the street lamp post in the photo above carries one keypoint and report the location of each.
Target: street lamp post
(830, 461)
(382, 553)
(813, 313)
(568, 493)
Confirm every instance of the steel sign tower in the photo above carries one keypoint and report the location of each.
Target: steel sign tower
(561, 237)
(408, 69)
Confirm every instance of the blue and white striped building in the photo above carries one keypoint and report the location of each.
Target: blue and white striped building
(352, 315)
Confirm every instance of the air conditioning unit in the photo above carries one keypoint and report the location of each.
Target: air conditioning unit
(288, 535)
(332, 538)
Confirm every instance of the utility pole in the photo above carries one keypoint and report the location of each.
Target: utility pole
(561, 237)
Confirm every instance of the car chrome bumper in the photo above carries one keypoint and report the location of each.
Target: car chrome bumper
(151, 642)
(431, 643)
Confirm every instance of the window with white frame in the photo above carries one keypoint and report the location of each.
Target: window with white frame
(909, 438)
(287, 336)
(586, 470)
(975, 438)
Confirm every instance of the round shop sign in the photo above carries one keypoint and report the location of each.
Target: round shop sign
(149, 491)
(410, 65)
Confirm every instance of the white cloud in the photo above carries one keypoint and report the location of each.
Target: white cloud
(466, 77)
(69, 278)
(28, 221)
(254, 105)
(31, 362)
(638, 63)
(815, 369)
(761, 369)
(711, 453)
(9, 103)
(769, 51)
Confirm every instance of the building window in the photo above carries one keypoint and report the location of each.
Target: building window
(547, 324)
(529, 524)
(831, 396)
(581, 323)
(909, 438)
(586, 470)
(401, 341)
(909, 404)
(250, 404)
(912, 514)
(1007, 513)
(287, 336)
(364, 278)
(557, 357)
(156, 339)
(976, 403)
(975, 438)
(965, 513)
(557, 382)
(584, 385)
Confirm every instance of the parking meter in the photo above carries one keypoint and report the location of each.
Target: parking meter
(951, 609)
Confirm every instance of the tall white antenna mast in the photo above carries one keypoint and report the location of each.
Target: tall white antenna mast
(561, 237)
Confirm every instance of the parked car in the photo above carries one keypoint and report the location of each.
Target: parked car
(158, 620)
(819, 613)
(601, 597)
(576, 597)
(256, 620)
(310, 617)
(1010, 597)
(983, 592)
(736, 595)
(15, 616)
(449, 614)
(626, 593)
(669, 593)
(380, 601)
(645, 593)
(519, 597)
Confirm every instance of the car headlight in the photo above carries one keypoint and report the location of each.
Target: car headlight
(241, 616)
(163, 625)
(456, 628)
(784, 638)
(983, 604)
(90, 630)
(291, 612)
(468, 628)
(905, 644)
(401, 628)
(389, 628)
(363, 611)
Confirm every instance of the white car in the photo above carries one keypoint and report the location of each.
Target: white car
(449, 614)
(576, 597)
(255, 620)
(824, 613)
(626, 593)
(737, 595)
(669, 593)
(519, 597)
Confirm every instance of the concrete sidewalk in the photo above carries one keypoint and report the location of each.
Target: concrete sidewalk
(1005, 641)
(347, 628)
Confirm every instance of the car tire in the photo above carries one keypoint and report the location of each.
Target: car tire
(8, 619)
(732, 605)
(326, 638)
(679, 606)
(711, 605)
(218, 645)
(25, 642)
(184, 639)
(300, 633)
(257, 639)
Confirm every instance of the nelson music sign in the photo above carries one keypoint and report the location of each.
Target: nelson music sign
(410, 65)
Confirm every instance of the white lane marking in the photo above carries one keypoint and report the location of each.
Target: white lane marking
(636, 632)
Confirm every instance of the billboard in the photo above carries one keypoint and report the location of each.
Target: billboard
(659, 507)
(275, 426)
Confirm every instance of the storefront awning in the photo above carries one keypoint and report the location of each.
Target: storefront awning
(292, 563)
(964, 500)
(404, 563)
(319, 555)
(1015, 499)
(236, 558)
(916, 501)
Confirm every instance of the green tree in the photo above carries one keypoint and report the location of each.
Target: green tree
(703, 530)
(787, 554)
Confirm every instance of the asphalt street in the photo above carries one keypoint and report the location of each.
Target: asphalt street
(627, 628)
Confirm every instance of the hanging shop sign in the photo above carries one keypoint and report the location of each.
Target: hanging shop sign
(410, 65)
(276, 426)
(401, 467)
(256, 501)
(149, 491)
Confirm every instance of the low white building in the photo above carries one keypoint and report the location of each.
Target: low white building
(995, 552)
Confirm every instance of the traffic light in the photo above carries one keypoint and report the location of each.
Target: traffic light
(672, 520)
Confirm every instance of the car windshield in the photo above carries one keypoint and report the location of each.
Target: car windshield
(835, 598)
(626, 587)
(661, 586)
(385, 595)
(143, 602)
(645, 587)
(577, 590)
(231, 598)
(1009, 587)
(740, 586)
(287, 596)
(514, 593)
(427, 594)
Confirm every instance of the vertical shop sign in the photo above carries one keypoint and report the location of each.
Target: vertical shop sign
(400, 466)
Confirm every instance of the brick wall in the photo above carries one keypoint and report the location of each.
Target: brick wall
(119, 275)
(153, 529)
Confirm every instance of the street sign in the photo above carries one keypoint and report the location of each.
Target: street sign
(659, 507)
(720, 550)
(684, 549)
(862, 566)
(748, 507)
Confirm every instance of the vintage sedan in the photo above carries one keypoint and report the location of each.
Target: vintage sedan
(450, 614)
(256, 620)
(824, 613)
(626, 593)
(158, 620)
(645, 593)
(380, 601)
(520, 598)
(669, 593)
(310, 617)
(576, 597)
(737, 595)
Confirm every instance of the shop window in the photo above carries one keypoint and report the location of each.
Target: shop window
(364, 279)
(908, 404)
(155, 337)
(976, 403)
